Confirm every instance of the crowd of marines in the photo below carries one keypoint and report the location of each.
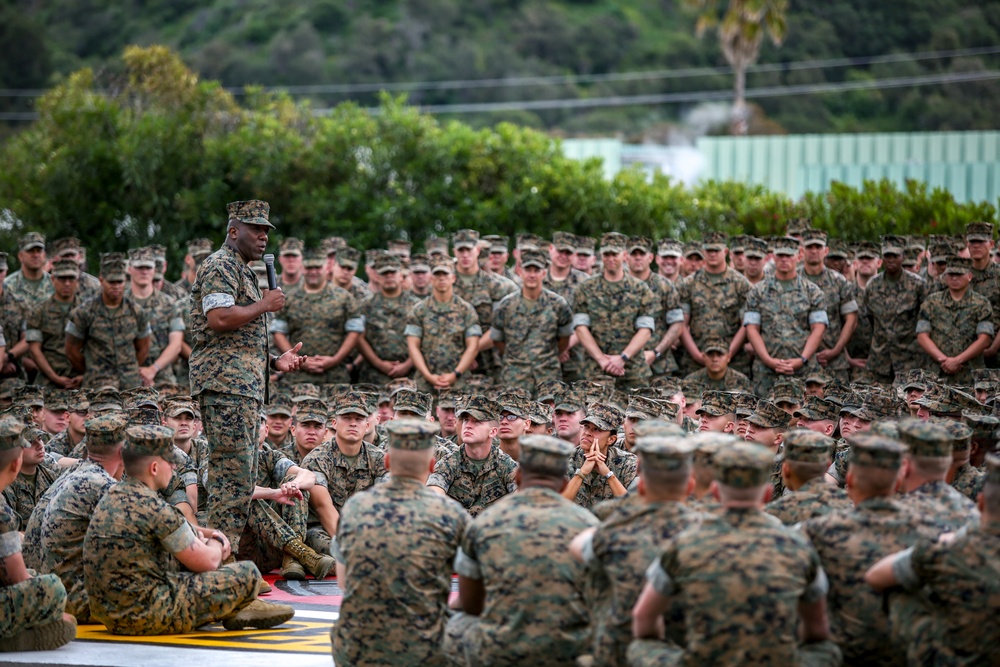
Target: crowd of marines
(735, 451)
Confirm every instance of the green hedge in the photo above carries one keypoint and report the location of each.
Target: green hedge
(156, 157)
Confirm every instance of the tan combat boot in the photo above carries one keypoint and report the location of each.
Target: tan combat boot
(259, 615)
(291, 568)
(318, 566)
(45, 637)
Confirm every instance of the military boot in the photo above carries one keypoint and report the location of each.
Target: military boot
(318, 566)
(45, 637)
(291, 568)
(259, 615)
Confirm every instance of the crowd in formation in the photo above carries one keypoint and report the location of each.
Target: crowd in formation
(736, 451)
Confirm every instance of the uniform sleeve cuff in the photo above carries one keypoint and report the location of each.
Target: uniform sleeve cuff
(355, 325)
(849, 307)
(674, 316)
(467, 566)
(818, 317)
(659, 579)
(413, 330)
(177, 324)
(923, 326)
(645, 322)
(73, 331)
(984, 328)
(180, 539)
(902, 570)
(581, 320)
(474, 331)
(10, 544)
(496, 335)
(33, 336)
(216, 300)
(751, 317)
(818, 588)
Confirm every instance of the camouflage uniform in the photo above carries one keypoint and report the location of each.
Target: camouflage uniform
(840, 299)
(46, 325)
(475, 484)
(595, 488)
(530, 331)
(229, 378)
(64, 526)
(953, 588)
(342, 477)
(320, 321)
(165, 316)
(30, 291)
(814, 498)
(621, 549)
(733, 380)
(385, 320)
(24, 492)
(954, 326)
(135, 583)
(714, 303)
(968, 481)
(894, 306)
(109, 336)
(941, 501)
(13, 310)
(785, 315)
(397, 543)
(536, 607)
(573, 369)
(29, 604)
(442, 329)
(670, 312)
(613, 312)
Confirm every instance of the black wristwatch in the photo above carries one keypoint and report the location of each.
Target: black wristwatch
(458, 373)
(624, 356)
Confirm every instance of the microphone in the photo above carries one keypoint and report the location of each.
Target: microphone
(272, 280)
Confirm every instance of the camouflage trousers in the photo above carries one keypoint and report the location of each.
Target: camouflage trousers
(463, 645)
(232, 425)
(655, 653)
(910, 617)
(77, 600)
(318, 539)
(192, 600)
(764, 378)
(268, 532)
(31, 603)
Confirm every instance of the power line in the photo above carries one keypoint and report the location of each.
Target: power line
(529, 81)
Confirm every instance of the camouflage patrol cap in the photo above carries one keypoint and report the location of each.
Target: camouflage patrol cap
(372, 255)
(642, 243)
(388, 264)
(603, 416)
(546, 390)
(312, 258)
(613, 242)
(910, 257)
(333, 244)
(411, 400)
(497, 243)
(442, 265)
(539, 413)
(958, 265)
(65, 268)
(693, 248)
(659, 427)
(797, 226)
(563, 241)
(867, 250)
(315, 410)
(152, 440)
(139, 397)
(411, 435)
(30, 241)
(544, 454)
(159, 265)
(887, 428)
(56, 400)
(279, 405)
(755, 248)
(714, 240)
(979, 231)
(447, 398)
(692, 388)
(104, 399)
(465, 238)
(669, 248)
(303, 390)
(717, 403)
(915, 378)
(396, 385)
(535, 258)
(30, 395)
(113, 266)
(400, 247)
(420, 263)
(569, 401)
(940, 248)
(10, 434)
(514, 404)
(67, 245)
(715, 345)
(785, 245)
(786, 391)
(875, 451)
(925, 439)
(816, 408)
(944, 400)
(533, 241)
(584, 245)
(984, 378)
(642, 408)
(738, 244)
(664, 453)
(984, 427)
(743, 465)
(179, 406)
(813, 237)
(106, 430)
(838, 249)
(250, 212)
(818, 377)
(707, 444)
(768, 415)
(805, 446)
(199, 248)
(7, 387)
(961, 435)
(480, 408)
(746, 404)
(992, 477)
(142, 258)
(348, 257)
(144, 415)
(436, 246)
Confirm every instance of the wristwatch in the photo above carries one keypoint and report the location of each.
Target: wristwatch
(657, 354)
(458, 373)
(218, 538)
(611, 473)
(624, 356)
(805, 361)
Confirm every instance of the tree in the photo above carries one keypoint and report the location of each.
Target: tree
(742, 27)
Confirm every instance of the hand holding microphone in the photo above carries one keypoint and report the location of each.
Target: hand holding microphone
(274, 298)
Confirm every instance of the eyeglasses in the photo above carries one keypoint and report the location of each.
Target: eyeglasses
(508, 417)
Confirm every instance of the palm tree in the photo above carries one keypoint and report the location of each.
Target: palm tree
(741, 28)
